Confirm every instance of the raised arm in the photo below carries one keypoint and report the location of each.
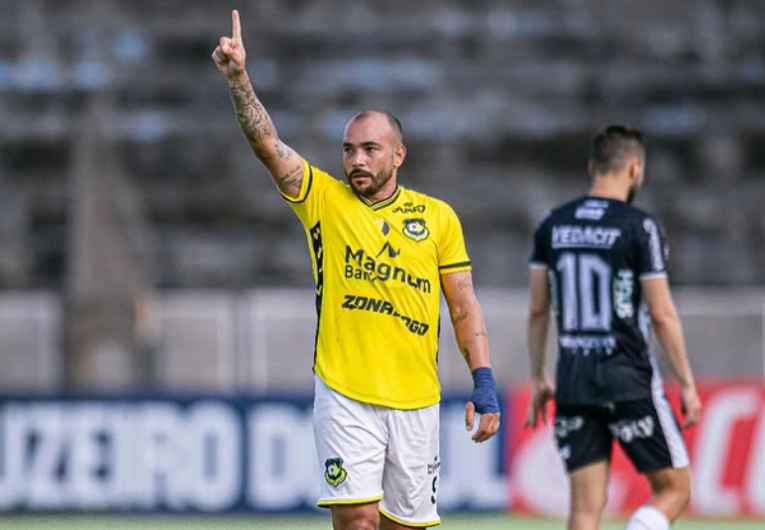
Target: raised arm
(669, 331)
(284, 164)
(473, 341)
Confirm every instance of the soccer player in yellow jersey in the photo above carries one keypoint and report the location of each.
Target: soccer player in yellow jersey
(381, 254)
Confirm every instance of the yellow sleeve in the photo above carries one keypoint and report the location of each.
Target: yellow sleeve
(309, 203)
(452, 254)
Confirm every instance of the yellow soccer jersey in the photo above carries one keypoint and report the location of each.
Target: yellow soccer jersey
(377, 270)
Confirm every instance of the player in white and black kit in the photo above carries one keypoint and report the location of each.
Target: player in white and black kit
(602, 266)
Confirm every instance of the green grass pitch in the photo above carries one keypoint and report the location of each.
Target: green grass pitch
(320, 522)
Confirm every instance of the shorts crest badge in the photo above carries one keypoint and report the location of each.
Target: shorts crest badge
(416, 229)
(334, 473)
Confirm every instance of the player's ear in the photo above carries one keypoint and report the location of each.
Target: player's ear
(399, 154)
(590, 168)
(634, 167)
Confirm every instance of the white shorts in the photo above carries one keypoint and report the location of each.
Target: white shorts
(369, 453)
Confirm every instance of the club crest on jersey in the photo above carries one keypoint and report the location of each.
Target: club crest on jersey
(415, 229)
(334, 473)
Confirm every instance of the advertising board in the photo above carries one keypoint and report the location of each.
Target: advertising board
(198, 454)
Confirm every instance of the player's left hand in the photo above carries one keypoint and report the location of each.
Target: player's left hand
(488, 424)
(484, 402)
(691, 406)
(542, 392)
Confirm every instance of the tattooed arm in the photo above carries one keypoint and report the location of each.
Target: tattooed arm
(467, 319)
(473, 341)
(284, 164)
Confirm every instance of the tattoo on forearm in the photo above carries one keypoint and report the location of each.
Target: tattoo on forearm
(466, 355)
(292, 179)
(253, 118)
(283, 151)
(459, 317)
(480, 334)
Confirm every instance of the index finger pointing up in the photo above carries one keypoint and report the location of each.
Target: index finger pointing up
(236, 26)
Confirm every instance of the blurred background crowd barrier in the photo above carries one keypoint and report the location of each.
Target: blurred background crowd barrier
(261, 341)
(143, 251)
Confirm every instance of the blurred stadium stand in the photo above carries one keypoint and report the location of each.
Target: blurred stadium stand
(498, 100)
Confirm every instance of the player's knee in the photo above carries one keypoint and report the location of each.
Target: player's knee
(357, 522)
(599, 504)
(592, 505)
(681, 495)
(675, 492)
(673, 502)
(685, 491)
(584, 517)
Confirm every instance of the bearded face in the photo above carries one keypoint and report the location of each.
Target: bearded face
(366, 183)
(372, 151)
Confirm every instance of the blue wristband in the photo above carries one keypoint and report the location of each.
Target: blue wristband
(484, 392)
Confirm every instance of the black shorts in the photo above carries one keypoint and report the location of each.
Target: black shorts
(646, 429)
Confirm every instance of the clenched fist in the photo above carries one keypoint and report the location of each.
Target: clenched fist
(230, 55)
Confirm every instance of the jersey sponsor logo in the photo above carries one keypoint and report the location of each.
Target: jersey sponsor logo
(392, 252)
(588, 344)
(360, 266)
(593, 214)
(624, 286)
(415, 229)
(334, 473)
(592, 210)
(654, 245)
(552, 279)
(569, 236)
(435, 466)
(433, 470)
(409, 207)
(375, 305)
(566, 425)
(629, 430)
